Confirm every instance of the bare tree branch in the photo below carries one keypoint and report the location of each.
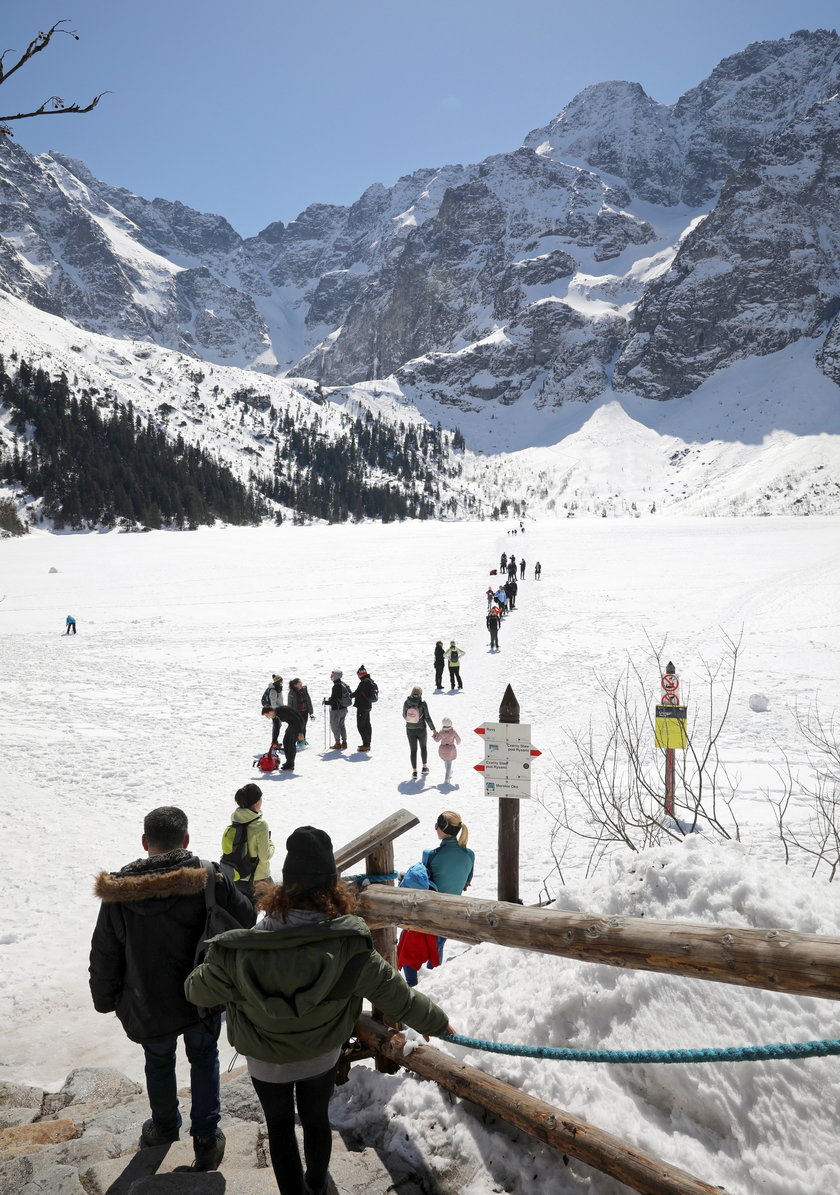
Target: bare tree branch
(55, 105)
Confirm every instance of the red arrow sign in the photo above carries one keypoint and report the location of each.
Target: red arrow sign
(480, 730)
(534, 751)
(478, 767)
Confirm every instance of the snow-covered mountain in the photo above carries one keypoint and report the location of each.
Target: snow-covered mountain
(628, 248)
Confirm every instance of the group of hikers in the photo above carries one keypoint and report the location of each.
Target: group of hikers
(290, 978)
(501, 600)
(291, 712)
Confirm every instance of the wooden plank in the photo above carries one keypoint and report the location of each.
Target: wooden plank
(774, 959)
(609, 1154)
(386, 831)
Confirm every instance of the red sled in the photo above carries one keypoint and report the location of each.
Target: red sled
(493, 572)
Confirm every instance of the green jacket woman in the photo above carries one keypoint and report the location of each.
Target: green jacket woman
(293, 990)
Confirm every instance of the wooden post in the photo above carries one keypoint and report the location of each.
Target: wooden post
(508, 850)
(669, 781)
(774, 959)
(381, 862)
(609, 1154)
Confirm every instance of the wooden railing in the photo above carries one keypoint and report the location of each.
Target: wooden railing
(776, 960)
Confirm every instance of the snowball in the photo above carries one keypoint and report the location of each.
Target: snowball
(759, 703)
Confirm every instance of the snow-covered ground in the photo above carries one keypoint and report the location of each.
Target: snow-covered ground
(156, 701)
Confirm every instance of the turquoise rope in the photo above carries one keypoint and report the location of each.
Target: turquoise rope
(796, 1049)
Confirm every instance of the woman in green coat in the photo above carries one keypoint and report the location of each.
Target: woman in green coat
(293, 990)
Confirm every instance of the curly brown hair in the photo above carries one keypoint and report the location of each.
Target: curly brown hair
(275, 900)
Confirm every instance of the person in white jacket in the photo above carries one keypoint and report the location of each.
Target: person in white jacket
(447, 736)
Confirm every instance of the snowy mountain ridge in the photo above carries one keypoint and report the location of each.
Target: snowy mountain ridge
(627, 250)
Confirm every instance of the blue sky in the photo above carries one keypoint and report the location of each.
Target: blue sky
(257, 108)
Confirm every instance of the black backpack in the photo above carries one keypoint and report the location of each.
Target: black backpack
(237, 857)
(374, 690)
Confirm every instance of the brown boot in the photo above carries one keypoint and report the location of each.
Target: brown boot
(335, 747)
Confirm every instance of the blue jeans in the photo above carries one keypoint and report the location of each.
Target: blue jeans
(162, 1087)
(410, 975)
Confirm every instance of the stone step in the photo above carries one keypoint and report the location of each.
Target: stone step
(245, 1170)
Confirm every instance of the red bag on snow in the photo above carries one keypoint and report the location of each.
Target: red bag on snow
(267, 762)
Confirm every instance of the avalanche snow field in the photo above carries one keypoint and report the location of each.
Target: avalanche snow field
(156, 701)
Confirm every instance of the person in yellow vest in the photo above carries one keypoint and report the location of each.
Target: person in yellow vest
(246, 843)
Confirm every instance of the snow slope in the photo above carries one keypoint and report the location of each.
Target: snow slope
(156, 701)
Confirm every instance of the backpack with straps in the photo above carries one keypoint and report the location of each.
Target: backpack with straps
(412, 715)
(217, 921)
(346, 698)
(243, 864)
(374, 690)
(268, 762)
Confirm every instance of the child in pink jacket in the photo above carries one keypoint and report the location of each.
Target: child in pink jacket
(447, 736)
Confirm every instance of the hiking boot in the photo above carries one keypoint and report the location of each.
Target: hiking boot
(344, 744)
(362, 748)
(287, 767)
(425, 770)
(335, 747)
(209, 1151)
(151, 1135)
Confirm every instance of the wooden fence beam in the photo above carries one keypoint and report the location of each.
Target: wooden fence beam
(367, 844)
(639, 1171)
(774, 959)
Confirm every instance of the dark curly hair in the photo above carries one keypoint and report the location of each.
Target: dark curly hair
(275, 900)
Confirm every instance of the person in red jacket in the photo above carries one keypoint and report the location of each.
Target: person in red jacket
(415, 949)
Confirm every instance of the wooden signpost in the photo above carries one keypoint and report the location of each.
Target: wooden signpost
(507, 775)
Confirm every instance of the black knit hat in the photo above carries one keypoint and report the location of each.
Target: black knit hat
(310, 861)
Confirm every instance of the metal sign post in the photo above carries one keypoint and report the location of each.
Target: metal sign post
(670, 729)
(507, 774)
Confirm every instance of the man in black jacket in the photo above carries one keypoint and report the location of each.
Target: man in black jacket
(150, 923)
(363, 702)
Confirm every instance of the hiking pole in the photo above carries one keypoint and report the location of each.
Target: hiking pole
(325, 728)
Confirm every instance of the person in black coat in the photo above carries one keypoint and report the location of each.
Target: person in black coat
(363, 702)
(150, 923)
(294, 727)
(440, 660)
(493, 621)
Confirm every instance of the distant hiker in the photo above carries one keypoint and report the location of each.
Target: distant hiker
(503, 563)
(70, 624)
(339, 701)
(151, 921)
(511, 570)
(493, 620)
(501, 600)
(522, 570)
(417, 718)
(414, 948)
(300, 700)
(490, 596)
(246, 843)
(293, 989)
(453, 658)
(285, 713)
(447, 737)
(537, 571)
(450, 865)
(364, 695)
(508, 588)
(440, 660)
(512, 590)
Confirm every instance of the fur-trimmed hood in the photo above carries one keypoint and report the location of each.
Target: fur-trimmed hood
(146, 880)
